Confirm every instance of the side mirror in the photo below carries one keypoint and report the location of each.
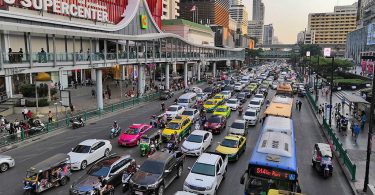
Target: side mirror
(72, 149)
(219, 173)
(189, 168)
(167, 171)
(138, 166)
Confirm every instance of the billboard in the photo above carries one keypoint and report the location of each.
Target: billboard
(371, 34)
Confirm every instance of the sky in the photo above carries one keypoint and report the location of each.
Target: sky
(290, 16)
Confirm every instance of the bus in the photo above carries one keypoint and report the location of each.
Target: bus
(280, 106)
(273, 163)
(284, 89)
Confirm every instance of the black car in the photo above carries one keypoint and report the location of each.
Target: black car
(247, 92)
(110, 169)
(209, 91)
(166, 94)
(157, 173)
(228, 88)
(242, 97)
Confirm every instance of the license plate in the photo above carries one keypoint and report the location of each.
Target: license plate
(138, 193)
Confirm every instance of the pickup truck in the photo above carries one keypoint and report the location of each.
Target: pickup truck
(207, 173)
(157, 173)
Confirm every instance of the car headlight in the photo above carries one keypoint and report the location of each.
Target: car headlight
(209, 187)
(155, 185)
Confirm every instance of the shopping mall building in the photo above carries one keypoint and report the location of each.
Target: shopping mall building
(76, 40)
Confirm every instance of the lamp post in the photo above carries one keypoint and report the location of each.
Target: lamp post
(369, 139)
(328, 54)
(308, 54)
(316, 83)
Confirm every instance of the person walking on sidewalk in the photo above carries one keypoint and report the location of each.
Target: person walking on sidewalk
(50, 115)
(363, 120)
(299, 105)
(24, 112)
(356, 130)
(296, 104)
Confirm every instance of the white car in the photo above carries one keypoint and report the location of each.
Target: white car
(196, 90)
(238, 86)
(197, 142)
(207, 174)
(192, 113)
(238, 127)
(259, 97)
(88, 152)
(251, 116)
(202, 96)
(226, 94)
(6, 162)
(173, 111)
(255, 104)
(233, 104)
(274, 85)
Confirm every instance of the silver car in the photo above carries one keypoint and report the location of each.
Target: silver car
(6, 162)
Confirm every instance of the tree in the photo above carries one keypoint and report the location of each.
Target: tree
(315, 50)
(325, 65)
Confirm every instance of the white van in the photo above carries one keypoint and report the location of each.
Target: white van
(187, 100)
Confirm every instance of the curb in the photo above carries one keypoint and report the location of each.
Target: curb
(347, 176)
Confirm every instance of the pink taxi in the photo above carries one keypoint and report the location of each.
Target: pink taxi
(132, 135)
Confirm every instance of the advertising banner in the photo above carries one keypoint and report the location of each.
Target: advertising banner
(371, 34)
(363, 65)
(370, 67)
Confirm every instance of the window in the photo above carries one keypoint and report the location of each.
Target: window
(170, 164)
(100, 145)
(217, 169)
(206, 136)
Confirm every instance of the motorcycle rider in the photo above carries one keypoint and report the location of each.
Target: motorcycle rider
(162, 106)
(240, 109)
(115, 125)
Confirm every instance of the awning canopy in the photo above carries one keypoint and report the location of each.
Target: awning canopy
(351, 98)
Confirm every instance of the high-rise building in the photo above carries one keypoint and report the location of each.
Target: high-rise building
(255, 30)
(258, 10)
(238, 12)
(301, 37)
(170, 9)
(268, 34)
(332, 28)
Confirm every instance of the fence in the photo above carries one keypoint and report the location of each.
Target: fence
(336, 143)
(49, 127)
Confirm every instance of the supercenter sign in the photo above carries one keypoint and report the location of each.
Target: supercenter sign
(81, 9)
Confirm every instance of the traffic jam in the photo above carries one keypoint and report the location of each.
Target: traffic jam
(187, 129)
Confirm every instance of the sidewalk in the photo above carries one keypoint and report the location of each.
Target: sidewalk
(357, 151)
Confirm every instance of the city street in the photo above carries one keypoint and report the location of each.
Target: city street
(307, 134)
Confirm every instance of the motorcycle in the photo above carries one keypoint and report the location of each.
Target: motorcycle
(322, 159)
(125, 180)
(344, 124)
(115, 132)
(152, 150)
(172, 146)
(77, 122)
(240, 110)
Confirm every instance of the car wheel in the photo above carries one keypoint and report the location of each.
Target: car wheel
(179, 172)
(83, 165)
(106, 153)
(4, 167)
(161, 189)
(237, 157)
(63, 181)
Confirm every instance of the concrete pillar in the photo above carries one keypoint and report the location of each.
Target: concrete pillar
(141, 81)
(82, 75)
(186, 74)
(199, 71)
(174, 68)
(9, 86)
(93, 74)
(99, 89)
(214, 69)
(166, 75)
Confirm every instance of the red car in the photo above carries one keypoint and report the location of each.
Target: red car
(132, 135)
(216, 124)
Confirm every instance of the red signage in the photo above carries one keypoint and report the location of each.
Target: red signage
(273, 173)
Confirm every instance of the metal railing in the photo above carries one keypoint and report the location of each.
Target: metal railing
(14, 138)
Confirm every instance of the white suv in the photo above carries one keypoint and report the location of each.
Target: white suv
(6, 162)
(251, 116)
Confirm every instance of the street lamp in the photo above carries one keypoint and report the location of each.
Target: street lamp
(316, 83)
(309, 55)
(328, 54)
(369, 139)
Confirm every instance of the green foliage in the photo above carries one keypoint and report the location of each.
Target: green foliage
(349, 81)
(28, 90)
(315, 50)
(252, 53)
(29, 103)
(325, 65)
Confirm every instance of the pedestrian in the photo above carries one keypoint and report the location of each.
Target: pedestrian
(339, 106)
(93, 93)
(356, 130)
(363, 120)
(50, 115)
(29, 114)
(10, 55)
(18, 132)
(296, 104)
(299, 105)
(24, 112)
(109, 93)
(162, 106)
(20, 55)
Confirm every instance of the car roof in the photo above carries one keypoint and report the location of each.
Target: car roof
(160, 156)
(190, 109)
(235, 99)
(174, 106)
(251, 110)
(136, 125)
(217, 116)
(208, 158)
(198, 132)
(239, 121)
(179, 119)
(90, 142)
(232, 137)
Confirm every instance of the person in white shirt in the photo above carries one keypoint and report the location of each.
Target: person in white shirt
(24, 112)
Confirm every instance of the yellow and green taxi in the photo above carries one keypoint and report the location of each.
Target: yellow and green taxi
(220, 98)
(253, 87)
(233, 146)
(210, 105)
(181, 125)
(223, 111)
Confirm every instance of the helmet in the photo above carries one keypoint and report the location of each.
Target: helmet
(115, 122)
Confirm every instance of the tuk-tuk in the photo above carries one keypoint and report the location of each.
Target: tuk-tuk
(52, 172)
(322, 159)
(151, 137)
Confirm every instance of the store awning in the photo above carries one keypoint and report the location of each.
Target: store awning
(351, 98)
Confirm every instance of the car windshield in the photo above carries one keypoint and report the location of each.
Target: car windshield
(207, 90)
(200, 94)
(241, 95)
(259, 96)
(203, 169)
(214, 120)
(173, 125)
(210, 103)
(183, 100)
(99, 170)
(238, 125)
(225, 92)
(221, 110)
(254, 103)
(195, 138)
(188, 113)
(81, 149)
(132, 131)
(153, 167)
(217, 97)
(229, 143)
(250, 113)
(172, 109)
(227, 82)
(232, 101)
